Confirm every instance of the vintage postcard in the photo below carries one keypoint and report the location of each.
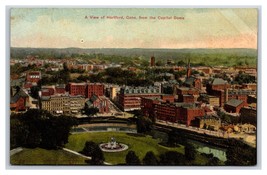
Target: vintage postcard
(133, 86)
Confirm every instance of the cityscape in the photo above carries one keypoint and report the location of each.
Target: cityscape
(156, 103)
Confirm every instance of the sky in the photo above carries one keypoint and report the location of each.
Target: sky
(192, 28)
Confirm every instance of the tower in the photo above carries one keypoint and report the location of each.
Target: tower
(152, 61)
(188, 71)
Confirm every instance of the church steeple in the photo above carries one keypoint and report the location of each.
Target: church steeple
(188, 71)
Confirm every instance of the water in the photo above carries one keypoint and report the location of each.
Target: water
(218, 152)
(104, 129)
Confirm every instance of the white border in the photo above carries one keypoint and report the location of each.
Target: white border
(137, 3)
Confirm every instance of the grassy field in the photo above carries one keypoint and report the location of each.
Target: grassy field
(39, 156)
(141, 145)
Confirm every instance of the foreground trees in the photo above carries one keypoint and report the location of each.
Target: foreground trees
(39, 128)
(92, 150)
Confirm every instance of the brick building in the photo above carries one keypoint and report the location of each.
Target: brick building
(60, 89)
(186, 98)
(234, 105)
(193, 82)
(178, 112)
(129, 98)
(33, 76)
(248, 115)
(85, 89)
(95, 89)
(184, 113)
(77, 89)
(99, 102)
(209, 99)
(19, 102)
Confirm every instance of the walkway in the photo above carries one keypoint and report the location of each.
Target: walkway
(79, 154)
(15, 151)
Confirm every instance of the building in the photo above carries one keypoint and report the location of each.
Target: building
(60, 89)
(148, 106)
(187, 91)
(193, 82)
(186, 98)
(33, 76)
(248, 115)
(218, 87)
(211, 122)
(113, 93)
(77, 89)
(209, 99)
(129, 98)
(152, 61)
(19, 102)
(62, 103)
(217, 84)
(99, 102)
(47, 90)
(183, 113)
(234, 105)
(95, 89)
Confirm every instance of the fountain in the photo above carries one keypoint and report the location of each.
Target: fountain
(113, 146)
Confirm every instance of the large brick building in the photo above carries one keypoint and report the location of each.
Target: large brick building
(182, 113)
(234, 105)
(85, 89)
(95, 89)
(77, 89)
(129, 98)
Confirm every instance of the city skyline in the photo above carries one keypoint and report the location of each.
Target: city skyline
(171, 28)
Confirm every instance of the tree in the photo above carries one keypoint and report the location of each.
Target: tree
(92, 150)
(150, 159)
(18, 133)
(172, 158)
(159, 63)
(132, 159)
(39, 128)
(90, 110)
(190, 152)
(214, 161)
(34, 91)
(240, 154)
(144, 124)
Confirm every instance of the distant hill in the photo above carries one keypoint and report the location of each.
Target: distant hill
(216, 56)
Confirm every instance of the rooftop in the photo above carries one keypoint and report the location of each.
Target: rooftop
(218, 81)
(19, 94)
(234, 102)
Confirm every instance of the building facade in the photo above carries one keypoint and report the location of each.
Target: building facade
(129, 98)
(62, 103)
(95, 89)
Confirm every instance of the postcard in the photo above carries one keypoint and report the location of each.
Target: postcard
(133, 86)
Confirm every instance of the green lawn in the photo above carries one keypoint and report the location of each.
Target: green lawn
(39, 156)
(141, 145)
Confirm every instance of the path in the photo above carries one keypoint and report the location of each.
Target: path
(15, 151)
(79, 154)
